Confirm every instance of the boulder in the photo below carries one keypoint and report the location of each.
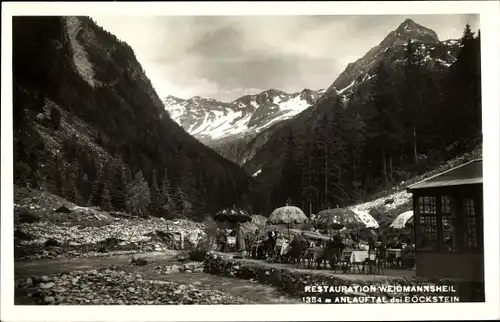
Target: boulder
(45, 279)
(389, 201)
(28, 282)
(51, 242)
(40, 116)
(47, 285)
(49, 299)
(63, 209)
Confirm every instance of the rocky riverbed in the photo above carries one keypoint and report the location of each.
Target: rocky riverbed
(114, 281)
(108, 286)
(66, 254)
(72, 231)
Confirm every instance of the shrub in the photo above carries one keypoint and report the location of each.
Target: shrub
(205, 244)
(28, 217)
(55, 118)
(197, 255)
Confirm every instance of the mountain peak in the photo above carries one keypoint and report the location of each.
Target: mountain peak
(408, 24)
(414, 30)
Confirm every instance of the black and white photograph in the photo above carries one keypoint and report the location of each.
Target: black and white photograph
(181, 157)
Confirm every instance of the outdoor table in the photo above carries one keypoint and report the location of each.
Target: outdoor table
(231, 243)
(398, 253)
(363, 247)
(359, 256)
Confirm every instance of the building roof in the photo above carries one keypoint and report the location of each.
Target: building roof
(465, 174)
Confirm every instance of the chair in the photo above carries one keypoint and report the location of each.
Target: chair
(344, 263)
(370, 262)
(390, 260)
(308, 256)
(360, 265)
(380, 260)
(231, 244)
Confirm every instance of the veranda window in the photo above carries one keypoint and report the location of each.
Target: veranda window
(448, 224)
(427, 231)
(471, 240)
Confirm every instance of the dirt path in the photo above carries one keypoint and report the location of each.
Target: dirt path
(258, 293)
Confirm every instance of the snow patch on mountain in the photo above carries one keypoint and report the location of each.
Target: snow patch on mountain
(208, 119)
(347, 87)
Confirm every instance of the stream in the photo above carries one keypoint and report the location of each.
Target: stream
(250, 290)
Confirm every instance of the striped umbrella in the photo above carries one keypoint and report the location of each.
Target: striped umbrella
(403, 220)
(367, 219)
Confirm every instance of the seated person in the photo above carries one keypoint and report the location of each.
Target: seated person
(280, 240)
(222, 241)
(390, 244)
(363, 246)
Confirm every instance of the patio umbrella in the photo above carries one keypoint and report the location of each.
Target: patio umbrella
(233, 215)
(287, 215)
(337, 218)
(367, 219)
(403, 220)
(257, 222)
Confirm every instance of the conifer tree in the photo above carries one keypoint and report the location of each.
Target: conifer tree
(95, 194)
(290, 177)
(106, 199)
(157, 199)
(467, 74)
(118, 186)
(199, 201)
(166, 194)
(178, 201)
(79, 200)
(138, 195)
(69, 183)
(413, 79)
(55, 118)
(55, 175)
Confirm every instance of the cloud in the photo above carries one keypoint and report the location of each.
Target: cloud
(226, 57)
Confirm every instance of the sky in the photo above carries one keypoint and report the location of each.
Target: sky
(226, 57)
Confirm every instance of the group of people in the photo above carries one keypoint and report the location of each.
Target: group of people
(252, 244)
(267, 245)
(274, 244)
(229, 240)
(239, 241)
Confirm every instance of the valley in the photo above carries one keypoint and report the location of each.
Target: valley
(116, 189)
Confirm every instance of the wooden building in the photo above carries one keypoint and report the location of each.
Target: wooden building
(448, 223)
